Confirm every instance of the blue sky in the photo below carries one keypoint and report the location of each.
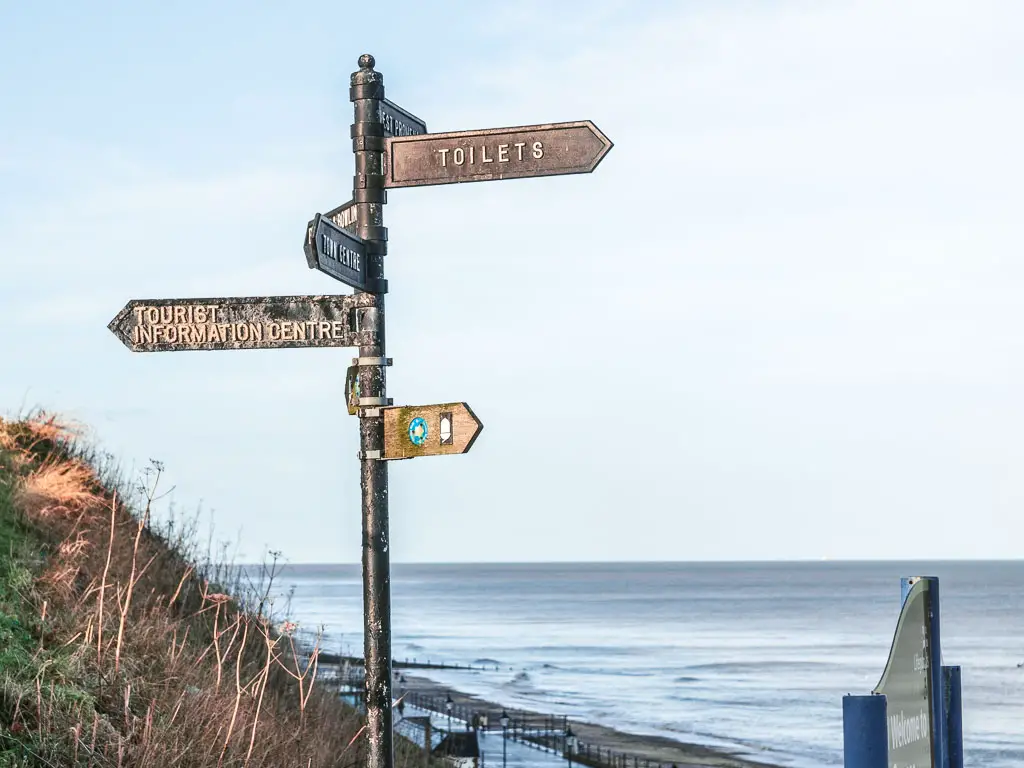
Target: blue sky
(781, 319)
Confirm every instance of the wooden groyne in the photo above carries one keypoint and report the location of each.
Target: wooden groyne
(546, 733)
(357, 661)
(596, 746)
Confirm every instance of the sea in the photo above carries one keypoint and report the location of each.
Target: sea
(752, 657)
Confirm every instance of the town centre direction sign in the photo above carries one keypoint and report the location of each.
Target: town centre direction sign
(391, 149)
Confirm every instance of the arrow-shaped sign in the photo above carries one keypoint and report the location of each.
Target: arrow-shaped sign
(399, 122)
(337, 252)
(429, 430)
(344, 216)
(255, 322)
(498, 153)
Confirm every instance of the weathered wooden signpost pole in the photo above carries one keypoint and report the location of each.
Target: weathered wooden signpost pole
(368, 193)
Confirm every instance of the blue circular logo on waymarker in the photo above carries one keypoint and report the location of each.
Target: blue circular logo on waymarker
(418, 431)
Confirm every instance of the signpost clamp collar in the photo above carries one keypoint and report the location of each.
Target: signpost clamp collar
(371, 361)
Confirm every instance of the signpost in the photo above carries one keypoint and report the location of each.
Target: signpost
(391, 148)
(267, 322)
(500, 153)
(429, 430)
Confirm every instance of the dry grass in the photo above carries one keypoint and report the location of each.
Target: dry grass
(56, 487)
(127, 650)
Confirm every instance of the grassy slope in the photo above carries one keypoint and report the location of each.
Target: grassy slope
(19, 549)
(118, 649)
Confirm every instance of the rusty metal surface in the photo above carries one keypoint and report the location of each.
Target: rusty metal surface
(367, 89)
(248, 322)
(399, 122)
(499, 153)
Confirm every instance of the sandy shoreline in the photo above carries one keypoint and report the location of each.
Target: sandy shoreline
(656, 749)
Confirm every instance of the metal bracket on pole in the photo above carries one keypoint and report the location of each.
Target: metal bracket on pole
(361, 361)
(364, 401)
(371, 455)
(369, 413)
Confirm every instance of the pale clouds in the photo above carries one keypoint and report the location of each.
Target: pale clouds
(787, 299)
(123, 227)
(794, 88)
(808, 219)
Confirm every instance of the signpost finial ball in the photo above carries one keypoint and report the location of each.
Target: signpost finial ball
(366, 61)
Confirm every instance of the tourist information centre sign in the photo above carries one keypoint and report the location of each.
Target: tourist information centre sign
(265, 322)
(391, 149)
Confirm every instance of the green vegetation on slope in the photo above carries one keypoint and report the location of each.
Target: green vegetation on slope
(118, 648)
(20, 664)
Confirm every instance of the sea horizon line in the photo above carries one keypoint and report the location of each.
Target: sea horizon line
(760, 562)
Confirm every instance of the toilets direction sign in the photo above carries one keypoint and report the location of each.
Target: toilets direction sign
(554, 149)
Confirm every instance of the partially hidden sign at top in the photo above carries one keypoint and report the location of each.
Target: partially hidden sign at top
(398, 122)
(344, 216)
(499, 153)
(906, 683)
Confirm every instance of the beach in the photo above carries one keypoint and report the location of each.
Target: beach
(748, 661)
(655, 750)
